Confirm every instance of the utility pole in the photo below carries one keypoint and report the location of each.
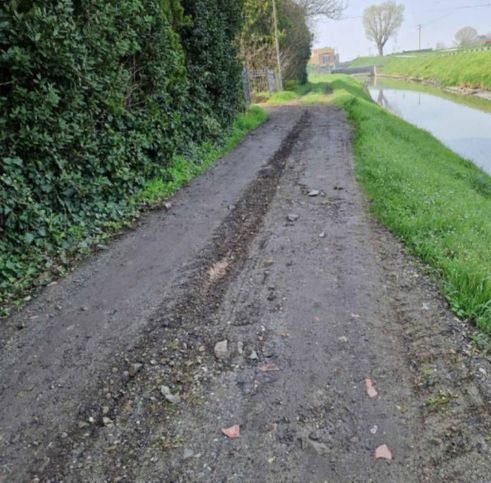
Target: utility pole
(277, 45)
(420, 27)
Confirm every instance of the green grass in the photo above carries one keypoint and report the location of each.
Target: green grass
(305, 94)
(368, 61)
(39, 272)
(464, 69)
(438, 203)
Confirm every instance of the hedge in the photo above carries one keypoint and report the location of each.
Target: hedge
(96, 97)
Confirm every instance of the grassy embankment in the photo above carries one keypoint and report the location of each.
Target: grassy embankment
(13, 293)
(463, 68)
(437, 202)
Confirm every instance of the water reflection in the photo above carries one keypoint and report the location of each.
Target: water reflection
(465, 130)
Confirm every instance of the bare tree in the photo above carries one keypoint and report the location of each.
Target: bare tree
(327, 8)
(382, 22)
(466, 36)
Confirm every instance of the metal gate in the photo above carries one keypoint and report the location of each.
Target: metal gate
(258, 81)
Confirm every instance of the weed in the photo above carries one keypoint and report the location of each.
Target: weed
(439, 400)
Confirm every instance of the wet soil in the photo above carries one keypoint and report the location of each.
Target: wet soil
(273, 251)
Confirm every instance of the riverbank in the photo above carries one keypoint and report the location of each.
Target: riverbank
(463, 70)
(437, 202)
(467, 97)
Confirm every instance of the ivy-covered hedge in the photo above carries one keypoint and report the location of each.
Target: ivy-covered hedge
(96, 97)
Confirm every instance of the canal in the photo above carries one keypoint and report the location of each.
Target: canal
(462, 123)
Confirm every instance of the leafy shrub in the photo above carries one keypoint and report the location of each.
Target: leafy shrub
(96, 97)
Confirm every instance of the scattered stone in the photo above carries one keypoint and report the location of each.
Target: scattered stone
(83, 424)
(270, 367)
(167, 206)
(134, 369)
(167, 393)
(91, 420)
(240, 347)
(107, 421)
(315, 447)
(383, 452)
(374, 429)
(314, 436)
(343, 339)
(322, 235)
(188, 454)
(105, 410)
(253, 356)
(370, 388)
(483, 371)
(292, 217)
(314, 193)
(221, 349)
(233, 432)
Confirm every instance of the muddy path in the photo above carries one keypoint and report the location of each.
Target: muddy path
(116, 374)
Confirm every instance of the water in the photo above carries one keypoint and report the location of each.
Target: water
(465, 130)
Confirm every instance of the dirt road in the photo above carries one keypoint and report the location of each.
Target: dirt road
(114, 374)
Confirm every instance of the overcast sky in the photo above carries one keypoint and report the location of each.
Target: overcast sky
(440, 20)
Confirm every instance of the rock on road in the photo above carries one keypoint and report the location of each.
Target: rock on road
(265, 298)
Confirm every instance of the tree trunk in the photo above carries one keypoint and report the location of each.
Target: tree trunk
(380, 50)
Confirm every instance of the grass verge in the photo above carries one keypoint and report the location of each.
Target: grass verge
(309, 93)
(463, 69)
(438, 203)
(39, 269)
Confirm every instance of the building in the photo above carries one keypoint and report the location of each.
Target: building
(324, 59)
(484, 39)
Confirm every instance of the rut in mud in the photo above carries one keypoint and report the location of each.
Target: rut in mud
(313, 297)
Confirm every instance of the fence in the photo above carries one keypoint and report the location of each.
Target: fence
(258, 81)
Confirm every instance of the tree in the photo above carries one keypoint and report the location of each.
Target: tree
(382, 21)
(328, 8)
(440, 46)
(466, 36)
(257, 39)
(295, 41)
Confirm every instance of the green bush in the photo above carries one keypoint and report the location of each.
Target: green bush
(96, 97)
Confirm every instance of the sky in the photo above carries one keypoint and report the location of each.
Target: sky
(441, 19)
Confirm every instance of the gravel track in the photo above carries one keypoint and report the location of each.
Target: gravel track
(273, 251)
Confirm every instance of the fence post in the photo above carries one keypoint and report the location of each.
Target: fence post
(272, 86)
(246, 86)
